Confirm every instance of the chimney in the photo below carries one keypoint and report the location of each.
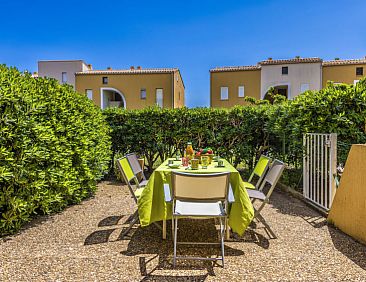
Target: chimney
(139, 67)
(109, 68)
(132, 68)
(269, 59)
(90, 67)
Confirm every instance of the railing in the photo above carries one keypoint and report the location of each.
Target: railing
(319, 168)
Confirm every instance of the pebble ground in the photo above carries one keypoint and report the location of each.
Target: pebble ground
(83, 243)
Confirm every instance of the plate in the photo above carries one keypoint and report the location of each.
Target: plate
(174, 165)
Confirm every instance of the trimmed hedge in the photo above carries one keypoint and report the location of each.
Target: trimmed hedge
(54, 146)
(242, 133)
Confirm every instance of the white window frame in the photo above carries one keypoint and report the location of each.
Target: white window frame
(89, 93)
(304, 87)
(64, 77)
(355, 81)
(159, 96)
(224, 93)
(241, 91)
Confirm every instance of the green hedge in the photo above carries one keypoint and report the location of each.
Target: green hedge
(54, 146)
(244, 132)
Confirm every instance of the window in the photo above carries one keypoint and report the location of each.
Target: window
(304, 87)
(159, 97)
(241, 91)
(224, 93)
(284, 70)
(89, 93)
(64, 77)
(143, 93)
(359, 71)
(105, 80)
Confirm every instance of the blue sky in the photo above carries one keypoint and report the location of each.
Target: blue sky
(191, 35)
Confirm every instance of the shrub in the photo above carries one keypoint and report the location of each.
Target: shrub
(54, 146)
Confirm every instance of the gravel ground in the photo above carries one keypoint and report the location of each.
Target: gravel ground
(83, 243)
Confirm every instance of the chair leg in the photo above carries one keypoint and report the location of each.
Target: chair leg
(222, 235)
(263, 221)
(132, 223)
(175, 242)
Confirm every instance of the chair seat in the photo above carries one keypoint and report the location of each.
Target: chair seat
(255, 194)
(143, 183)
(186, 208)
(138, 192)
(248, 185)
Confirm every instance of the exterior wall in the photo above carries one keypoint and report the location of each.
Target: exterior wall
(271, 75)
(129, 85)
(54, 69)
(179, 95)
(348, 211)
(342, 73)
(250, 79)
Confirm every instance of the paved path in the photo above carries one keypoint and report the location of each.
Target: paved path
(82, 244)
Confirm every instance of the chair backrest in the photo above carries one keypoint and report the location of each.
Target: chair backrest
(135, 165)
(127, 174)
(273, 176)
(260, 169)
(200, 187)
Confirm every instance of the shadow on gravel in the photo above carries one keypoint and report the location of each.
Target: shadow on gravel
(110, 220)
(98, 237)
(352, 249)
(147, 241)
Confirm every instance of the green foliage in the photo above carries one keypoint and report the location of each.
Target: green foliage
(54, 146)
(242, 133)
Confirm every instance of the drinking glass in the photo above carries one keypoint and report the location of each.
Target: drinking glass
(205, 161)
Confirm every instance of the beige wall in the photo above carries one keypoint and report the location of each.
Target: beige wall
(250, 79)
(348, 211)
(342, 73)
(129, 85)
(179, 95)
(304, 73)
(54, 69)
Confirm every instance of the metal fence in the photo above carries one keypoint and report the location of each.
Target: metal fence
(320, 165)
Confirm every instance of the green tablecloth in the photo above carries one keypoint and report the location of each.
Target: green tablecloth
(152, 206)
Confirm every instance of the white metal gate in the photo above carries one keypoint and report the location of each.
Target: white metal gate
(320, 165)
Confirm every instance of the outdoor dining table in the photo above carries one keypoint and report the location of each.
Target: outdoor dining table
(152, 206)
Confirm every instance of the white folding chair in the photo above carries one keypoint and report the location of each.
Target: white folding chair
(271, 178)
(259, 172)
(137, 169)
(199, 196)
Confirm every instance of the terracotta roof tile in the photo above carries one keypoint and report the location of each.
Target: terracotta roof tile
(344, 62)
(129, 71)
(238, 68)
(291, 61)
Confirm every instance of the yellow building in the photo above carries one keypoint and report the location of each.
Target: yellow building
(344, 71)
(289, 77)
(133, 88)
(229, 85)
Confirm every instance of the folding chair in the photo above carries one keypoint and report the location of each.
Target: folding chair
(271, 178)
(137, 169)
(260, 170)
(199, 196)
(135, 190)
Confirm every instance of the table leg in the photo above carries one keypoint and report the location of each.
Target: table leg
(227, 230)
(164, 229)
